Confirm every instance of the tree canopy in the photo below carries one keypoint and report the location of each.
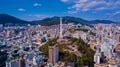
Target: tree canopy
(65, 56)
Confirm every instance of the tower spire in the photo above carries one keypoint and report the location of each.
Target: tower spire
(61, 30)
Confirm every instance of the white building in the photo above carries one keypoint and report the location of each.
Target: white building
(97, 58)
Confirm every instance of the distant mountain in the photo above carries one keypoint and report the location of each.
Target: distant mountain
(7, 19)
(101, 21)
(66, 19)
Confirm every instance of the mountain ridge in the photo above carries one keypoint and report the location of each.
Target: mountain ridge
(5, 18)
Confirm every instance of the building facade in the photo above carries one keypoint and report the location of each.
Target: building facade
(53, 54)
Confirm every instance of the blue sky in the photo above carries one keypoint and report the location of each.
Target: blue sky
(40, 9)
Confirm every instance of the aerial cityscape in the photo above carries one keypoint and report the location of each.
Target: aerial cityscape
(60, 33)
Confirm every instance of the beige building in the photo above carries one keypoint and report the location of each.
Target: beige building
(101, 65)
(53, 54)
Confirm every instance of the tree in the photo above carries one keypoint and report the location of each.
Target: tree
(88, 54)
(44, 48)
(3, 58)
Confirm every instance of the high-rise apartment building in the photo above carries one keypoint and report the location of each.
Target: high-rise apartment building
(15, 63)
(53, 54)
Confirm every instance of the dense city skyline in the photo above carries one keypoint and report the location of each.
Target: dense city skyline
(59, 33)
(40, 9)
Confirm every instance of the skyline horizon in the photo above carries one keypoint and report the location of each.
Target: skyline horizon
(58, 16)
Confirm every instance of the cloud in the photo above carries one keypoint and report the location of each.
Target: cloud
(81, 1)
(72, 12)
(93, 5)
(87, 5)
(40, 16)
(21, 9)
(64, 0)
(118, 12)
(36, 4)
(101, 8)
(30, 15)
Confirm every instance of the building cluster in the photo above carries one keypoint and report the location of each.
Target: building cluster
(106, 43)
(22, 43)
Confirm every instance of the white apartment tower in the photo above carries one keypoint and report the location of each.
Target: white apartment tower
(97, 58)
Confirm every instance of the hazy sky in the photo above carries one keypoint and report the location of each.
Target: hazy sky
(39, 9)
